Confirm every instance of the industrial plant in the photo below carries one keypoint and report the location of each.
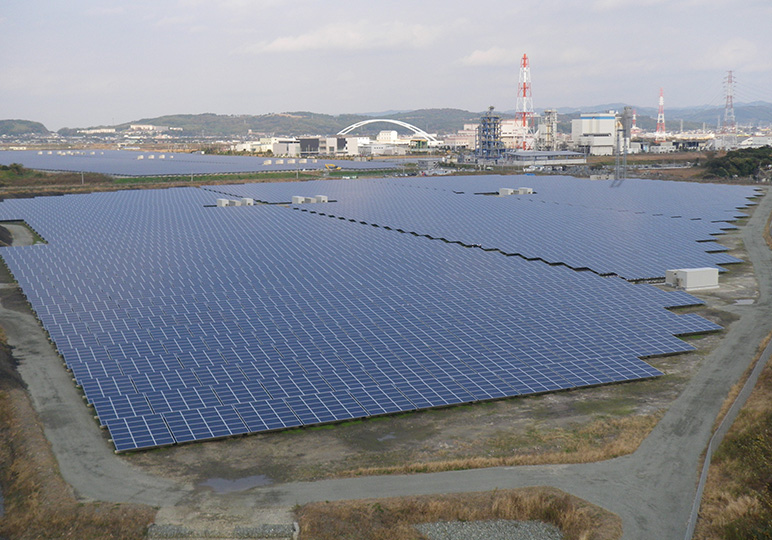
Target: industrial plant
(527, 138)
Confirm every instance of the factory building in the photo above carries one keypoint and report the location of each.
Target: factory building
(595, 133)
(756, 141)
(278, 146)
(332, 146)
(463, 139)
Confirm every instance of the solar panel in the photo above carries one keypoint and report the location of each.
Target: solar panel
(182, 322)
(567, 221)
(131, 163)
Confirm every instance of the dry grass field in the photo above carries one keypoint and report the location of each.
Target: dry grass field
(737, 502)
(394, 519)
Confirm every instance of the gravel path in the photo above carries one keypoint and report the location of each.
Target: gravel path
(490, 530)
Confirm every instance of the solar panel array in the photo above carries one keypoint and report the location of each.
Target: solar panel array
(133, 163)
(634, 231)
(183, 322)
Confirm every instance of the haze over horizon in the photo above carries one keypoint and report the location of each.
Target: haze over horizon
(87, 62)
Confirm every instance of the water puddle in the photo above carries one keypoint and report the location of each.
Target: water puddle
(387, 437)
(744, 301)
(223, 485)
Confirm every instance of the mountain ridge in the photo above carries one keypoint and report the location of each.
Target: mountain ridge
(440, 120)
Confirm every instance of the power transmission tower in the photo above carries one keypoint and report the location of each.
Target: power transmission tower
(729, 129)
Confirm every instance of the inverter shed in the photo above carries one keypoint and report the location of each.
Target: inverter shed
(692, 279)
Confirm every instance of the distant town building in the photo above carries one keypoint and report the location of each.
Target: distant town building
(464, 139)
(147, 127)
(387, 137)
(379, 149)
(96, 131)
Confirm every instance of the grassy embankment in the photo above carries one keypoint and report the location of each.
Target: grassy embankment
(17, 181)
(393, 519)
(737, 501)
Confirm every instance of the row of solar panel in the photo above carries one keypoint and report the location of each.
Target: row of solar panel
(194, 335)
(134, 423)
(295, 377)
(638, 250)
(128, 359)
(712, 202)
(130, 163)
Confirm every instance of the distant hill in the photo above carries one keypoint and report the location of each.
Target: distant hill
(437, 120)
(307, 123)
(15, 128)
(440, 121)
(756, 113)
(289, 123)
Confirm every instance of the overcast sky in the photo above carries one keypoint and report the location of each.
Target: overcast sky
(79, 63)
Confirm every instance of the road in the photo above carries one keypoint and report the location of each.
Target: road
(651, 489)
(22, 236)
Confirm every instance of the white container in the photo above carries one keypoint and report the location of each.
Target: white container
(692, 279)
(506, 191)
(297, 199)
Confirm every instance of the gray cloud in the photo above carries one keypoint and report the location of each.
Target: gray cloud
(89, 62)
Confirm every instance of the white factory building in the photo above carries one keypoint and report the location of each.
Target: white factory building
(595, 133)
(278, 146)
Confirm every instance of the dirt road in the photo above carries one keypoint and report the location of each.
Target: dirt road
(22, 236)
